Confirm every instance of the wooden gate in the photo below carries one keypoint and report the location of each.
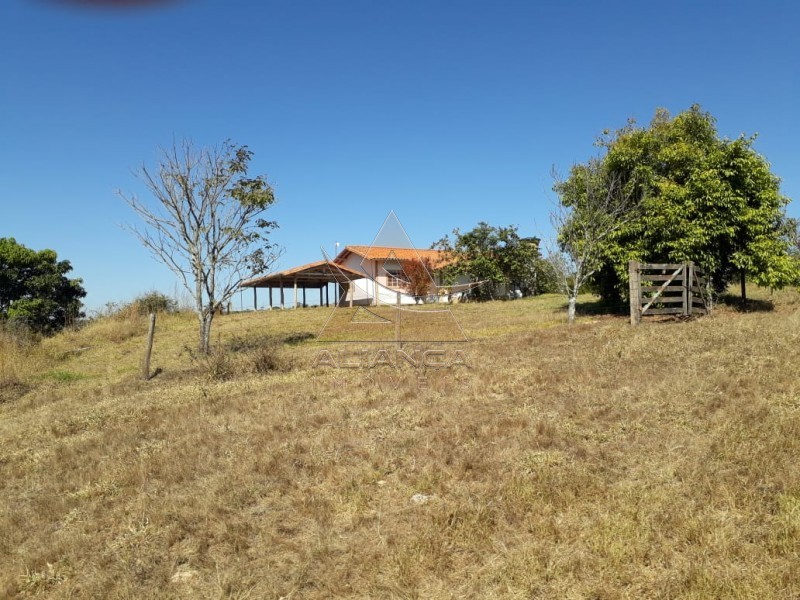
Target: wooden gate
(667, 289)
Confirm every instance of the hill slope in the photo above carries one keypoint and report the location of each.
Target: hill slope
(597, 461)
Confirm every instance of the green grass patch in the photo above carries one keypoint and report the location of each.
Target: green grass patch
(63, 376)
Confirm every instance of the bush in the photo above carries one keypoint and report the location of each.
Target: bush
(154, 302)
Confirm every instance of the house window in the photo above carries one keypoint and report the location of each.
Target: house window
(395, 279)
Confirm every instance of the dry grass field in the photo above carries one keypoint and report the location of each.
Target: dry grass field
(594, 461)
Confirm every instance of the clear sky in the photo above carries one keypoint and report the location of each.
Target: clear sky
(448, 112)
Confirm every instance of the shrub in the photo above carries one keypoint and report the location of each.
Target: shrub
(266, 358)
(216, 365)
(153, 302)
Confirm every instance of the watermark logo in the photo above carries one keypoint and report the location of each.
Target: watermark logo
(367, 358)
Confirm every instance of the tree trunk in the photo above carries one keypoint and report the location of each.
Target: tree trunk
(205, 318)
(571, 309)
(744, 290)
(202, 345)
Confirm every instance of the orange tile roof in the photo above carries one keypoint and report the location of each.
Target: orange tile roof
(437, 257)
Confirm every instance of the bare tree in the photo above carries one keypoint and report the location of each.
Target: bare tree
(206, 223)
(592, 206)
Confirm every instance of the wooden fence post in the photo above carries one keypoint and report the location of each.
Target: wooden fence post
(688, 295)
(708, 293)
(635, 292)
(149, 347)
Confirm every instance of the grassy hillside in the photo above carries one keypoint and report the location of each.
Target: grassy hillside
(593, 461)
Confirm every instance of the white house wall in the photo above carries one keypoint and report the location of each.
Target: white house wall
(365, 288)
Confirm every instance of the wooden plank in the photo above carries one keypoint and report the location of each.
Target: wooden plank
(661, 277)
(665, 266)
(664, 300)
(669, 288)
(677, 310)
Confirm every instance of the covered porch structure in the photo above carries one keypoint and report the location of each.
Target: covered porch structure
(317, 275)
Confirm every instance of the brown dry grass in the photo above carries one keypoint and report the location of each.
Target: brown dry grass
(597, 461)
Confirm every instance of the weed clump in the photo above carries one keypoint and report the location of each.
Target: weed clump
(17, 345)
(12, 389)
(262, 354)
(217, 365)
(266, 358)
(241, 356)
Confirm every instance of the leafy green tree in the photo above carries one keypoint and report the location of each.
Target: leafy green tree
(34, 289)
(206, 223)
(706, 199)
(497, 256)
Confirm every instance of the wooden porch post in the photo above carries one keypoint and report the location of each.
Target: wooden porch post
(282, 301)
(295, 292)
(375, 283)
(327, 290)
(351, 292)
(255, 298)
(304, 296)
(320, 295)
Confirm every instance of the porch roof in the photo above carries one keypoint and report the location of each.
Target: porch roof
(313, 275)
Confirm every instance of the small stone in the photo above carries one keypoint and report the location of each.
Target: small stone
(183, 575)
(421, 498)
(381, 482)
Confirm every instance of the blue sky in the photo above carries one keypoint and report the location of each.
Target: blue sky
(447, 112)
